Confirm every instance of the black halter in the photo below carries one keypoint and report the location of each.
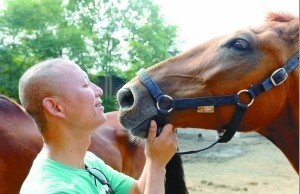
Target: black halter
(276, 78)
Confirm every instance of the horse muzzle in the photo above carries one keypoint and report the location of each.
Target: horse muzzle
(136, 110)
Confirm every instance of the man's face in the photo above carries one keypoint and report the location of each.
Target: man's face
(80, 98)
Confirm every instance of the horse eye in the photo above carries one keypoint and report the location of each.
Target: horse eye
(239, 44)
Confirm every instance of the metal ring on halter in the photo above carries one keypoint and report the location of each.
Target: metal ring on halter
(166, 96)
(252, 99)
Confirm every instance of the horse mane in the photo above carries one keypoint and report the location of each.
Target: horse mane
(280, 17)
(175, 182)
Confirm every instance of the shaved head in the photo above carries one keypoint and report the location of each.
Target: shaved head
(42, 80)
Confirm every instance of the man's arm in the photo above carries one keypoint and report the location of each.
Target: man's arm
(159, 150)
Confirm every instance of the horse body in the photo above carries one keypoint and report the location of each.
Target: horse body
(20, 142)
(223, 66)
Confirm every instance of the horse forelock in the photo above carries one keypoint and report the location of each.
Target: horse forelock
(280, 17)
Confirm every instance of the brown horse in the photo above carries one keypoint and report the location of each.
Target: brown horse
(245, 81)
(20, 142)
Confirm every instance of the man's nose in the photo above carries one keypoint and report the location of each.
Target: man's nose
(98, 91)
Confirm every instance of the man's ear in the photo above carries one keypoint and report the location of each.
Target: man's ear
(52, 107)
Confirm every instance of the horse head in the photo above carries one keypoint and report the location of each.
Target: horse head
(253, 71)
(222, 66)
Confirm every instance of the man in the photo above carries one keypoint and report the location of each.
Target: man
(67, 108)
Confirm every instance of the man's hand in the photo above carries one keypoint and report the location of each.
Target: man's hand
(159, 150)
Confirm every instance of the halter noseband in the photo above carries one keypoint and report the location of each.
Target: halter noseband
(276, 78)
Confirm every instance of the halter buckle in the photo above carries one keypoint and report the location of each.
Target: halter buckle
(278, 76)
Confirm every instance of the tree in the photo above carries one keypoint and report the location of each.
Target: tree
(152, 40)
(105, 37)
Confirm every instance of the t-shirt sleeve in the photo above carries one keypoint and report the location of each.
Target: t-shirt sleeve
(119, 182)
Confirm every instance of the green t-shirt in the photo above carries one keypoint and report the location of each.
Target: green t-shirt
(50, 177)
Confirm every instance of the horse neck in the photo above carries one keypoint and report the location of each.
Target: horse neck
(284, 131)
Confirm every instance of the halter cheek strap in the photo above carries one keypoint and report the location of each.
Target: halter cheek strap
(162, 115)
(165, 103)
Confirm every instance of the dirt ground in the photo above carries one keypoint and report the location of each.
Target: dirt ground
(248, 164)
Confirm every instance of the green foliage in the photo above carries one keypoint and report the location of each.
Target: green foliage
(110, 104)
(105, 37)
(150, 42)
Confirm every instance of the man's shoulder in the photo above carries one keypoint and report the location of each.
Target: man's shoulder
(91, 155)
(40, 184)
(48, 176)
(55, 187)
(91, 159)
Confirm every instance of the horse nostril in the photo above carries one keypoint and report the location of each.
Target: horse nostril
(125, 98)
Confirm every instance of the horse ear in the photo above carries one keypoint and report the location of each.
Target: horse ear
(290, 32)
(279, 17)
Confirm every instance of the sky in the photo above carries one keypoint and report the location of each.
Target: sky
(201, 20)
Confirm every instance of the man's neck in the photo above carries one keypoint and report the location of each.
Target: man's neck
(69, 151)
